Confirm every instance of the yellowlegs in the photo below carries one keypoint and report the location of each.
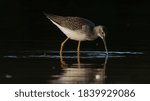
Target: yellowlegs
(77, 28)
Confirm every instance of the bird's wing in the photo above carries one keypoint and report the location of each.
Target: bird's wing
(86, 28)
(76, 23)
(73, 23)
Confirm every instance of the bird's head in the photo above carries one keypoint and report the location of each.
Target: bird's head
(100, 31)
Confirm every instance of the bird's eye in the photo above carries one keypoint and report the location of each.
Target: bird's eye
(103, 33)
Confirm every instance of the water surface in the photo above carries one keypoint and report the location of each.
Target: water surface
(43, 66)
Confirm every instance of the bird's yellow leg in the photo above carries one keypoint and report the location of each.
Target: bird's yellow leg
(78, 53)
(61, 48)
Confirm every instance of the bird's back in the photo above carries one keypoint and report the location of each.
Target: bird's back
(73, 23)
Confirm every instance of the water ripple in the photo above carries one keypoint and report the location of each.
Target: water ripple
(69, 54)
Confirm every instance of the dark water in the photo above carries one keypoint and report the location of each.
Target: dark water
(43, 66)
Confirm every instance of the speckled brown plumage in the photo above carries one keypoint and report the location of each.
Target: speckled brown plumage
(73, 23)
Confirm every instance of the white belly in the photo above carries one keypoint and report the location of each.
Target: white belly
(74, 35)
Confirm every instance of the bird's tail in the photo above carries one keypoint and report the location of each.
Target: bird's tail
(49, 16)
(57, 19)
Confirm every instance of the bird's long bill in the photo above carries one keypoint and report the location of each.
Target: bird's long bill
(104, 41)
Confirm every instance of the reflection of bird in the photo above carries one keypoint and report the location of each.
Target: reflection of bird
(89, 72)
(77, 28)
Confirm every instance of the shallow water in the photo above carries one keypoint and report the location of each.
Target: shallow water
(43, 66)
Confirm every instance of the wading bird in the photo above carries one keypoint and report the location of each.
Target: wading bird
(78, 29)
